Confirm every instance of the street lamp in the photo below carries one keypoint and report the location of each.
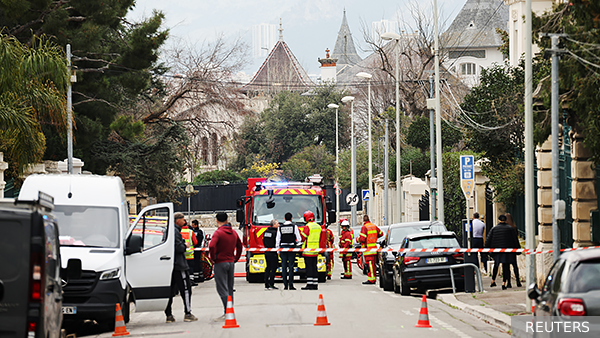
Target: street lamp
(337, 163)
(368, 76)
(350, 99)
(393, 36)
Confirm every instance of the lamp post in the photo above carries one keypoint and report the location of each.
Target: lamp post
(393, 36)
(368, 76)
(337, 163)
(350, 99)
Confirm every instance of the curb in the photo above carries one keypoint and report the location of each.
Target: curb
(491, 316)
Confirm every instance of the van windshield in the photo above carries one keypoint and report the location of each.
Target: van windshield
(88, 226)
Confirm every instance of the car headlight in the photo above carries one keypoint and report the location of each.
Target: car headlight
(111, 274)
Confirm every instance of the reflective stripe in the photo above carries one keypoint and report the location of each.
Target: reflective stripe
(187, 236)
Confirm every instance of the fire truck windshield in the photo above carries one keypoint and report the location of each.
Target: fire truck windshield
(263, 211)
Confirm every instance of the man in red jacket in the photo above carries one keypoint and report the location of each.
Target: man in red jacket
(368, 238)
(327, 242)
(346, 243)
(225, 249)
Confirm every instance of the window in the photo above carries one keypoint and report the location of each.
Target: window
(152, 229)
(468, 69)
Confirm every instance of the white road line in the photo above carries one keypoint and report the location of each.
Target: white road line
(445, 325)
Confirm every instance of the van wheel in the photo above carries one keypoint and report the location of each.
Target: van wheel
(126, 308)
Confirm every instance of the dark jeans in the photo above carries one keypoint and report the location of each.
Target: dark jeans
(288, 260)
(505, 272)
(272, 264)
(224, 281)
(180, 279)
(483, 257)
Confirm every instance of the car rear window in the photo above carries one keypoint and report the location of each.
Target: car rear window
(433, 242)
(585, 277)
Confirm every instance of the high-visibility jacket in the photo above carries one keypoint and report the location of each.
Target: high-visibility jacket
(345, 242)
(188, 236)
(368, 237)
(312, 237)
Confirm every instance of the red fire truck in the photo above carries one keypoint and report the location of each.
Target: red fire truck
(265, 201)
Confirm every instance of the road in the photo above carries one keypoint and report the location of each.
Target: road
(353, 310)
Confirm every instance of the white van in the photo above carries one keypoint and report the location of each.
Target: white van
(120, 264)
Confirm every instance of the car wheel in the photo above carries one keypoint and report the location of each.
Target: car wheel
(388, 285)
(404, 289)
(396, 286)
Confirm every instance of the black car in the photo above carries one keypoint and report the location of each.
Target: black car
(572, 287)
(392, 240)
(427, 270)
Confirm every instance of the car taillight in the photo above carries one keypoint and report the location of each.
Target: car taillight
(410, 260)
(31, 326)
(37, 271)
(571, 307)
(459, 256)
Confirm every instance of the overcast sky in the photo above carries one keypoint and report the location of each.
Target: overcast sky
(310, 26)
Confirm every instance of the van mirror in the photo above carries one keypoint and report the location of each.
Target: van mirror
(239, 203)
(239, 216)
(74, 268)
(331, 217)
(134, 244)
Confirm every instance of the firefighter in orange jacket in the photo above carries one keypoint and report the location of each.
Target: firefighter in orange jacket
(311, 234)
(368, 238)
(327, 242)
(346, 243)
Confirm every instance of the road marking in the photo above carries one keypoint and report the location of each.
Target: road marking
(374, 291)
(408, 313)
(449, 327)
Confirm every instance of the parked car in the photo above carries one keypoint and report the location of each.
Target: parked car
(427, 270)
(360, 260)
(393, 240)
(571, 287)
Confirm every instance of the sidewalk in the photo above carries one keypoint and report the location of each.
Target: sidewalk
(494, 305)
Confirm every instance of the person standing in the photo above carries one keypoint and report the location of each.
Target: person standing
(288, 237)
(478, 230)
(510, 221)
(191, 242)
(269, 241)
(198, 274)
(368, 238)
(225, 249)
(312, 239)
(327, 242)
(180, 278)
(502, 236)
(346, 243)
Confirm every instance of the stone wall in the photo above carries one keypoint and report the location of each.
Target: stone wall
(583, 191)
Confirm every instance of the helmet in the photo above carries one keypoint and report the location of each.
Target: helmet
(308, 216)
(345, 223)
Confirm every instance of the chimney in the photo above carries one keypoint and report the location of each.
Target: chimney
(328, 69)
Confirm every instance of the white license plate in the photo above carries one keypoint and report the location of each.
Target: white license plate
(434, 260)
(69, 310)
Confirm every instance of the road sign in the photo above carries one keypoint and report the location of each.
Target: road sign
(366, 194)
(189, 188)
(338, 191)
(352, 199)
(467, 175)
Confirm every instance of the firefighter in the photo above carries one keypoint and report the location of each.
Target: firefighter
(327, 242)
(368, 238)
(189, 237)
(311, 235)
(346, 243)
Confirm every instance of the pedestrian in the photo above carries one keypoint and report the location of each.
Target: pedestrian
(510, 221)
(312, 238)
(502, 236)
(478, 230)
(180, 278)
(368, 238)
(198, 273)
(272, 259)
(327, 242)
(346, 243)
(225, 250)
(189, 236)
(288, 237)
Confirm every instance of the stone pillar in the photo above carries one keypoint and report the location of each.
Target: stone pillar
(544, 195)
(414, 189)
(583, 191)
(3, 166)
(63, 166)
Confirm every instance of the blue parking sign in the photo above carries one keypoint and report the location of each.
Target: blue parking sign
(366, 194)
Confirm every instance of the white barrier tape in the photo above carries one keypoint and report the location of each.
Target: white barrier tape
(458, 250)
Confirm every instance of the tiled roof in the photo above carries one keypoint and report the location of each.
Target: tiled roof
(476, 23)
(344, 49)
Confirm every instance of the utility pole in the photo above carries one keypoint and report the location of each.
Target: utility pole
(432, 179)
(69, 115)
(386, 172)
(438, 117)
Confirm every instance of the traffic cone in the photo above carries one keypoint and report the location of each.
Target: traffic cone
(229, 315)
(423, 314)
(321, 314)
(120, 329)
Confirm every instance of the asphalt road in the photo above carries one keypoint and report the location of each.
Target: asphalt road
(353, 310)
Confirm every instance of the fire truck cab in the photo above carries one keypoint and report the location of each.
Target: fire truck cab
(265, 201)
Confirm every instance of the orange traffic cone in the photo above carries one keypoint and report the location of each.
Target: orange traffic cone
(120, 329)
(321, 314)
(229, 315)
(423, 314)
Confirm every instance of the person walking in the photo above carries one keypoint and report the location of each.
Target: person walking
(180, 278)
(368, 238)
(502, 236)
(288, 237)
(189, 236)
(270, 241)
(225, 249)
(327, 239)
(346, 243)
(510, 221)
(312, 238)
(478, 230)
(198, 274)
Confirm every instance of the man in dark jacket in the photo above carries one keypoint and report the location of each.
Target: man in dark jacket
(180, 278)
(502, 236)
(225, 249)
(269, 237)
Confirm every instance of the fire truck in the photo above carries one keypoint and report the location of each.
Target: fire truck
(265, 201)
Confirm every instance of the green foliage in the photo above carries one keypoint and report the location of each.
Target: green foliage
(508, 181)
(217, 176)
(344, 168)
(260, 168)
(420, 163)
(418, 134)
(312, 160)
(127, 128)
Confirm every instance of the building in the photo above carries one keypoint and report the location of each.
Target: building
(344, 50)
(264, 37)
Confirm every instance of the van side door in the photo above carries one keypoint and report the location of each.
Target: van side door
(150, 249)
